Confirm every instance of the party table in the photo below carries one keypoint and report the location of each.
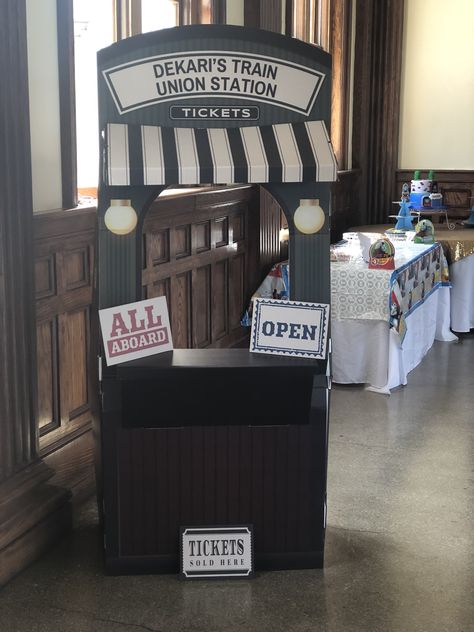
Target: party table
(383, 322)
(458, 247)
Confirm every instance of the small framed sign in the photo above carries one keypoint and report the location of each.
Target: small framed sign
(290, 328)
(216, 552)
(135, 330)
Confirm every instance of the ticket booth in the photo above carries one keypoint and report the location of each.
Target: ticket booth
(202, 437)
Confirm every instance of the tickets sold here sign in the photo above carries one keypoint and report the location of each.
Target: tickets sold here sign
(135, 330)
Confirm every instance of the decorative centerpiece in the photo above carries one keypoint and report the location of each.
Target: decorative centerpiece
(382, 255)
(424, 232)
(404, 219)
(424, 193)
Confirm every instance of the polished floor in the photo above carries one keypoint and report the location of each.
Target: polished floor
(399, 552)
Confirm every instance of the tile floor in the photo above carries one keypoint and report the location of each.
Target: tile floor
(400, 538)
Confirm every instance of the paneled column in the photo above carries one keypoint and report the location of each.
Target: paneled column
(376, 115)
(32, 513)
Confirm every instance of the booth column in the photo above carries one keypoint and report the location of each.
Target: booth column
(32, 513)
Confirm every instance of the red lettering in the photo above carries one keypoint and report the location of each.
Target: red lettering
(150, 322)
(133, 321)
(118, 326)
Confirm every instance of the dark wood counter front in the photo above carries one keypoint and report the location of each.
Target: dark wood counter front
(214, 437)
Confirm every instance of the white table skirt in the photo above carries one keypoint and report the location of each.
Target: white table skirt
(369, 352)
(461, 275)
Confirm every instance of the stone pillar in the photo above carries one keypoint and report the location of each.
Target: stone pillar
(32, 512)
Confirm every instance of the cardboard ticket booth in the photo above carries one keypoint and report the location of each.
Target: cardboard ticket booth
(202, 437)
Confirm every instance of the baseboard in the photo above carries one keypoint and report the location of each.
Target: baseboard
(30, 521)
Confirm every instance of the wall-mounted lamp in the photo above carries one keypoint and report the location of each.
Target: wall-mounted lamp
(120, 218)
(309, 217)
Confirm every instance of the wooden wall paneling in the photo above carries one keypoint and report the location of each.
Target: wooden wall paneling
(180, 304)
(252, 13)
(74, 362)
(237, 274)
(66, 240)
(220, 300)
(33, 513)
(271, 15)
(344, 203)
(202, 12)
(340, 47)
(457, 187)
(201, 306)
(67, 101)
(270, 223)
(48, 379)
(207, 232)
(376, 111)
(264, 14)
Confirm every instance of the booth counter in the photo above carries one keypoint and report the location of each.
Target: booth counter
(211, 437)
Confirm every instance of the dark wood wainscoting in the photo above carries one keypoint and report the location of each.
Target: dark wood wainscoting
(201, 252)
(457, 188)
(344, 203)
(64, 263)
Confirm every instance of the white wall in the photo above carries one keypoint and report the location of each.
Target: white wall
(437, 97)
(44, 104)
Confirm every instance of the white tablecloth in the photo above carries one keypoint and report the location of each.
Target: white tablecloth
(461, 274)
(368, 351)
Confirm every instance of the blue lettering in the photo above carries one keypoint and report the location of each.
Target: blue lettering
(268, 328)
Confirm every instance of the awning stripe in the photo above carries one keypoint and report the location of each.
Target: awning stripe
(118, 162)
(275, 168)
(206, 166)
(135, 149)
(306, 153)
(292, 167)
(287, 152)
(254, 154)
(322, 148)
(238, 155)
(221, 156)
(187, 155)
(170, 155)
(153, 159)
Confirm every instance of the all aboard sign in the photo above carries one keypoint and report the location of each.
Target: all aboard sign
(214, 74)
(135, 330)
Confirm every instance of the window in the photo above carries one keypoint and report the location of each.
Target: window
(310, 21)
(93, 30)
(98, 24)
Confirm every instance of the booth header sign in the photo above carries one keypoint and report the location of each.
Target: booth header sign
(135, 330)
(291, 328)
(216, 74)
(214, 552)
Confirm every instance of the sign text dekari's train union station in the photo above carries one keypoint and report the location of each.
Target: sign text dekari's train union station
(214, 74)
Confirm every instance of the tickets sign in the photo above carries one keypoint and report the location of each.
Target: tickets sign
(216, 552)
(290, 328)
(135, 330)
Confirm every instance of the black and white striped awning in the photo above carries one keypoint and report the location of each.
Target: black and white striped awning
(288, 152)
